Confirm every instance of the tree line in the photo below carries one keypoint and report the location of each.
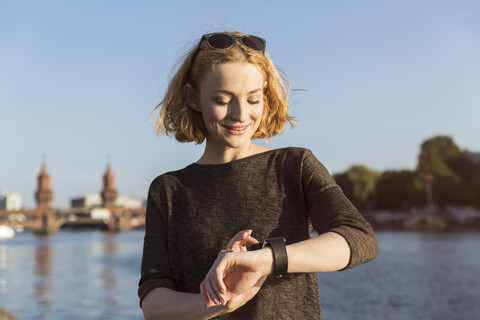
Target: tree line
(454, 175)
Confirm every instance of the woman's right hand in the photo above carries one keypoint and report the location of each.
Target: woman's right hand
(238, 243)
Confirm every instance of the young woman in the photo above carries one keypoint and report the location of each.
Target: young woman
(200, 219)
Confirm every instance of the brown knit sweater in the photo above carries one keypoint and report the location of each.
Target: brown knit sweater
(193, 213)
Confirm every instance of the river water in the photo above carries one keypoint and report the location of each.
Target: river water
(94, 275)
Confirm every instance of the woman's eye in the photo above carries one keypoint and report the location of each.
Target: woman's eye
(254, 101)
(221, 102)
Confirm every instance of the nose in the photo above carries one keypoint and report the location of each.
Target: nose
(238, 111)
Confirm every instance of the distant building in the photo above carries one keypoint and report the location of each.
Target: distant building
(44, 194)
(94, 200)
(106, 209)
(109, 192)
(89, 201)
(10, 200)
(127, 201)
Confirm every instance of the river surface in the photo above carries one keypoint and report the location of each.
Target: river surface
(94, 275)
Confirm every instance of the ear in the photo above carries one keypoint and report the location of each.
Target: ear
(265, 84)
(191, 97)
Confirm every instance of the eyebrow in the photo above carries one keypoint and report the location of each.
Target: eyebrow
(231, 93)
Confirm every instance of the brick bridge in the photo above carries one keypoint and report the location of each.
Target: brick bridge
(44, 219)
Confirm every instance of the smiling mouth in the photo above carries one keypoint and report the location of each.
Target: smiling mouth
(237, 129)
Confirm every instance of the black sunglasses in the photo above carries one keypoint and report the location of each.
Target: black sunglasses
(220, 40)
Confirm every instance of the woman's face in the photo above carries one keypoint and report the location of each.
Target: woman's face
(231, 104)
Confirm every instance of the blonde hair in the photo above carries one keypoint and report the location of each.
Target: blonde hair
(177, 118)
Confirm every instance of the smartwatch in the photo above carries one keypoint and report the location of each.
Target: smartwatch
(280, 259)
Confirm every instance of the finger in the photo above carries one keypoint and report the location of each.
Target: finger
(206, 287)
(251, 240)
(240, 241)
(214, 285)
(241, 235)
(207, 301)
(209, 291)
(217, 277)
(204, 295)
(242, 245)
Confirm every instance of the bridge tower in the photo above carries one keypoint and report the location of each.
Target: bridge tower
(109, 195)
(44, 197)
(44, 194)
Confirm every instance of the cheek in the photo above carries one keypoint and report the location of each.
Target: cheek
(219, 113)
(213, 114)
(259, 111)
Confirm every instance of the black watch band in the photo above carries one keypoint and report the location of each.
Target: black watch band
(280, 263)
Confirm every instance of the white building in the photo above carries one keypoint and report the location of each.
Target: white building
(88, 201)
(95, 200)
(10, 200)
(127, 201)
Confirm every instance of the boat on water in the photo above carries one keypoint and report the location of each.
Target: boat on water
(6, 232)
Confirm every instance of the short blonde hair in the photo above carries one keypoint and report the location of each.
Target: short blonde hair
(177, 118)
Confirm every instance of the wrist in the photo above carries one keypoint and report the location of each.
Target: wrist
(268, 261)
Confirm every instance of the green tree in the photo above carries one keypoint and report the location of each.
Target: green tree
(462, 166)
(433, 156)
(395, 190)
(464, 186)
(452, 170)
(358, 184)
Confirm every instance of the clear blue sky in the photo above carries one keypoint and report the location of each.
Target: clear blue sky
(78, 80)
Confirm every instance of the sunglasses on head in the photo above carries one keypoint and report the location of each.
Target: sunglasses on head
(224, 41)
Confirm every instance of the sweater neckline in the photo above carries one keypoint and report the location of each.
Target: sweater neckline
(236, 161)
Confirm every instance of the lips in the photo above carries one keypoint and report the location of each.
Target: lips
(237, 129)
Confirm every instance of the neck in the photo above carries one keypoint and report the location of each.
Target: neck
(213, 155)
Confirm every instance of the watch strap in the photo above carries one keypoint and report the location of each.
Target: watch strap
(280, 263)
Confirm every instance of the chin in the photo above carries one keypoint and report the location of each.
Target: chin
(237, 144)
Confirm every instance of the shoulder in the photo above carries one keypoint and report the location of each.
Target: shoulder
(295, 155)
(299, 162)
(302, 161)
(291, 152)
(169, 179)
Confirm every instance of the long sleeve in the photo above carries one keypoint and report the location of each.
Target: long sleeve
(330, 210)
(156, 271)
